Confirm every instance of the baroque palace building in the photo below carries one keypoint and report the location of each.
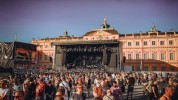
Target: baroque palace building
(150, 51)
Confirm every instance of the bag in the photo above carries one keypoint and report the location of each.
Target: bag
(84, 96)
(68, 92)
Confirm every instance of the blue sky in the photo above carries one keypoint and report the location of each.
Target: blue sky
(50, 18)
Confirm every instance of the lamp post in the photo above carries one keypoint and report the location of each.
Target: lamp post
(141, 65)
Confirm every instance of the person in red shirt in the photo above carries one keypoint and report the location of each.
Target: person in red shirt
(40, 90)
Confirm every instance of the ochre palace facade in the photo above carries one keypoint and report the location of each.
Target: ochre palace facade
(106, 47)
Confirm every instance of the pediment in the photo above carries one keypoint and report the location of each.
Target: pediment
(101, 33)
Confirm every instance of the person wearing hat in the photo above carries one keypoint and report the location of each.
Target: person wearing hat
(78, 95)
(175, 93)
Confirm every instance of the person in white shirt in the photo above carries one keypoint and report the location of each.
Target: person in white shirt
(5, 91)
(66, 86)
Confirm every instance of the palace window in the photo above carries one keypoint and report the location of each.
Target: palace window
(40, 57)
(145, 43)
(137, 43)
(45, 57)
(161, 42)
(163, 68)
(154, 56)
(171, 68)
(129, 43)
(46, 46)
(154, 68)
(137, 68)
(145, 68)
(153, 43)
(132, 68)
(146, 56)
(129, 56)
(137, 56)
(171, 55)
(162, 56)
(170, 42)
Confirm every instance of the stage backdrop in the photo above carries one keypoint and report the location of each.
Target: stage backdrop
(16, 53)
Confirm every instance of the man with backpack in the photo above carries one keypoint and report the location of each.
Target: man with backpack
(66, 86)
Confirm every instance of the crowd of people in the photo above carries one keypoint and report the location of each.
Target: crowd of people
(67, 85)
